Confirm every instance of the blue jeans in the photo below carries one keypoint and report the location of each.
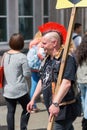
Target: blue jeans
(34, 80)
(83, 88)
(63, 125)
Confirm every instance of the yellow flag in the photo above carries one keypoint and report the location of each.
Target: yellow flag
(63, 4)
(70, 3)
(83, 3)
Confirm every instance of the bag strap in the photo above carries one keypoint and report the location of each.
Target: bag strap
(2, 60)
(75, 37)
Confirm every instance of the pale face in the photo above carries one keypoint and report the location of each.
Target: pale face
(48, 45)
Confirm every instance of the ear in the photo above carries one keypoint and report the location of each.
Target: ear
(55, 43)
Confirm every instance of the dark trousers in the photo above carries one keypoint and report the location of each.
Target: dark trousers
(84, 124)
(11, 105)
(63, 125)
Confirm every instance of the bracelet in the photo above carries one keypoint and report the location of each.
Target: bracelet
(55, 104)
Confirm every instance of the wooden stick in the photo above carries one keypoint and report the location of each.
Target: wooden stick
(64, 57)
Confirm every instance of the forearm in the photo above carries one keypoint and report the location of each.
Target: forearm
(37, 91)
(63, 90)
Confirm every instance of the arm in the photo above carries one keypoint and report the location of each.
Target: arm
(69, 75)
(64, 88)
(36, 93)
(26, 71)
(28, 79)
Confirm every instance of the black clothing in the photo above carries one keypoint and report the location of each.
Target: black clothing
(11, 104)
(49, 71)
(84, 124)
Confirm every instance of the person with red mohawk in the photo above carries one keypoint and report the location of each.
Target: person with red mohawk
(62, 105)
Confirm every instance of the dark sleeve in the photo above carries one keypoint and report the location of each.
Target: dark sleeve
(70, 69)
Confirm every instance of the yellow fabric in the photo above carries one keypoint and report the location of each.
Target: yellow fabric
(61, 4)
(83, 3)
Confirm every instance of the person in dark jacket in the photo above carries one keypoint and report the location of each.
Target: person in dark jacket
(63, 105)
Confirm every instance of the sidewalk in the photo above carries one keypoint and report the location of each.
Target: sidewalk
(38, 121)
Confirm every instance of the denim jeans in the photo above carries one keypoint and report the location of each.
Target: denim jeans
(11, 105)
(34, 80)
(63, 125)
(83, 88)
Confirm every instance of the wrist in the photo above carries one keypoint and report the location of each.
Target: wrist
(56, 104)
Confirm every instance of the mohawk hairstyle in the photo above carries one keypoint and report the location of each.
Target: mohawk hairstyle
(53, 27)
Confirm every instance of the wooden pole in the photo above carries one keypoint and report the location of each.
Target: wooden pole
(64, 57)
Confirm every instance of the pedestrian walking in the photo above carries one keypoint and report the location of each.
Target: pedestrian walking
(81, 56)
(16, 82)
(35, 56)
(62, 105)
(76, 36)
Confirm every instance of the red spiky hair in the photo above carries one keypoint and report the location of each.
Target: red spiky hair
(53, 26)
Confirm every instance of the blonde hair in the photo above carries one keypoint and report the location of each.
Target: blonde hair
(36, 40)
(53, 36)
(37, 35)
(72, 47)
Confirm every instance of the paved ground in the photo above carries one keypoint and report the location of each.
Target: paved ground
(38, 121)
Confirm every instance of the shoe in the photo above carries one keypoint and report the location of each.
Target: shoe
(35, 110)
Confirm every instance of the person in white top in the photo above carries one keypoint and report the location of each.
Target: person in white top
(76, 34)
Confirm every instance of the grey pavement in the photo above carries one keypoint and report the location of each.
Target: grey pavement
(38, 121)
